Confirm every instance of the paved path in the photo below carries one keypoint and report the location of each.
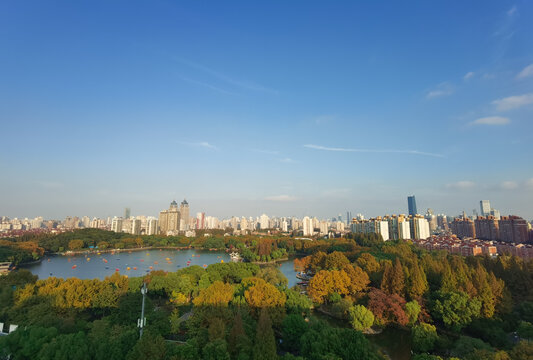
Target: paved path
(185, 316)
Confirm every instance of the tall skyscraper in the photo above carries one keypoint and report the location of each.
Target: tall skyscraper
(116, 224)
(169, 220)
(152, 227)
(184, 215)
(485, 207)
(200, 220)
(411, 202)
(127, 213)
(308, 226)
(136, 227)
(264, 222)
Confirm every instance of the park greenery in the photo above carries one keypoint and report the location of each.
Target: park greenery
(453, 307)
(253, 248)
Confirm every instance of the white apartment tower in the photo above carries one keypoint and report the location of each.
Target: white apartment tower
(308, 226)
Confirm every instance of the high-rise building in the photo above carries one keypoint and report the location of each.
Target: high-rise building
(169, 220)
(513, 229)
(284, 225)
(136, 227)
(399, 227)
(484, 205)
(308, 226)
(116, 224)
(348, 217)
(411, 203)
(152, 227)
(184, 215)
(127, 213)
(432, 220)
(264, 222)
(419, 227)
(463, 227)
(372, 226)
(323, 227)
(200, 220)
(487, 228)
(86, 221)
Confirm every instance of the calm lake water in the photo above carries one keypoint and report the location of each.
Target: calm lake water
(135, 263)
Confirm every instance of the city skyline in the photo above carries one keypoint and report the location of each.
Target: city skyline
(129, 104)
(427, 210)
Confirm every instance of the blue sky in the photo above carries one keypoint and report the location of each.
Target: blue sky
(289, 108)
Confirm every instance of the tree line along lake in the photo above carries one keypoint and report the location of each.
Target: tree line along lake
(93, 265)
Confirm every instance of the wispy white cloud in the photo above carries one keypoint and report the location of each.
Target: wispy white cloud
(411, 152)
(281, 198)
(526, 72)
(505, 30)
(206, 85)
(513, 102)
(461, 185)
(203, 144)
(287, 160)
(509, 185)
(529, 183)
(491, 120)
(443, 89)
(468, 75)
(243, 84)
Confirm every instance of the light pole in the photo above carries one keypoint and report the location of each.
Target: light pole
(141, 323)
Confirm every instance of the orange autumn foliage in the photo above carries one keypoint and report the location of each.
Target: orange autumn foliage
(262, 294)
(218, 293)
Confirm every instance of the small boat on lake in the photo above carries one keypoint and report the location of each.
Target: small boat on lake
(302, 276)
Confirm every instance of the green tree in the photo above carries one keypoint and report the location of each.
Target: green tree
(265, 342)
(238, 341)
(149, 347)
(360, 317)
(296, 302)
(522, 351)
(323, 342)
(216, 350)
(272, 275)
(26, 342)
(336, 261)
(418, 283)
(75, 244)
(412, 309)
(428, 357)
(393, 281)
(467, 345)
(216, 329)
(455, 309)
(66, 347)
(525, 330)
(424, 337)
(292, 329)
(174, 319)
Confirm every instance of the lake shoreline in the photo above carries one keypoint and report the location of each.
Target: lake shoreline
(87, 264)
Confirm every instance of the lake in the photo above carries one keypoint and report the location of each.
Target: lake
(135, 263)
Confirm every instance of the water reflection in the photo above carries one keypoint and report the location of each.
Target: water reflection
(135, 263)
